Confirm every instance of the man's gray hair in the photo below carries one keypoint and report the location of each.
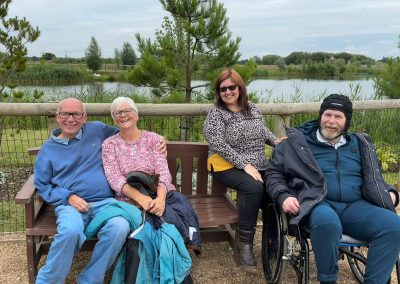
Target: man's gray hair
(123, 100)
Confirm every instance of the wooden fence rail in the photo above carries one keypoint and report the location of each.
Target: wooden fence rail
(283, 111)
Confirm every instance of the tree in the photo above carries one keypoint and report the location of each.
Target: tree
(93, 55)
(117, 58)
(387, 81)
(398, 45)
(270, 59)
(296, 58)
(128, 55)
(15, 34)
(195, 40)
(48, 56)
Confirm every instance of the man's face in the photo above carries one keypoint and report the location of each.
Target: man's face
(332, 123)
(70, 117)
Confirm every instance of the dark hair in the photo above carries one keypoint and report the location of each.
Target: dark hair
(338, 102)
(243, 100)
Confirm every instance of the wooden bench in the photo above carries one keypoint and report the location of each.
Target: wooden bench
(187, 163)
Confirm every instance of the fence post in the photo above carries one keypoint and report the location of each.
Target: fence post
(281, 122)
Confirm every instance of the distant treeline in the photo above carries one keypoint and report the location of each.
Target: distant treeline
(50, 69)
(299, 57)
(295, 58)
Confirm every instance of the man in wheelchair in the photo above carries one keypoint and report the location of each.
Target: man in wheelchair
(330, 182)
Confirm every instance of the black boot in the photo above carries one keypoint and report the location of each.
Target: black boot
(244, 248)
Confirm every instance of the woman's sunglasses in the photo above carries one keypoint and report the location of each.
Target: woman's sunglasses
(231, 88)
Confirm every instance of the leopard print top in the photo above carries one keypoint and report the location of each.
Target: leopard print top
(237, 138)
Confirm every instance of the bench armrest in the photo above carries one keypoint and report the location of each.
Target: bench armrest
(33, 151)
(27, 192)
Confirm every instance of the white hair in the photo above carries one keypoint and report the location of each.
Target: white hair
(68, 100)
(123, 100)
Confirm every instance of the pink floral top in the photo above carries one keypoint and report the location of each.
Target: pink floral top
(121, 157)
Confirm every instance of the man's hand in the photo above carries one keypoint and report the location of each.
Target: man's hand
(163, 146)
(393, 196)
(252, 171)
(291, 205)
(78, 203)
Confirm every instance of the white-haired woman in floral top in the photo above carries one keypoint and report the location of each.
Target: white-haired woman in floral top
(134, 150)
(236, 134)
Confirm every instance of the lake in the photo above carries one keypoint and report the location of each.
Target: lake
(266, 89)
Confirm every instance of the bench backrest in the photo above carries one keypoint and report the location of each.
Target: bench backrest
(187, 162)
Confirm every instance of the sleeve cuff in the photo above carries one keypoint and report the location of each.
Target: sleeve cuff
(65, 201)
(282, 197)
(397, 196)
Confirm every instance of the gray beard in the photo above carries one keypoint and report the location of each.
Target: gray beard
(329, 137)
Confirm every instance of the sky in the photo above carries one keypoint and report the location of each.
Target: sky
(368, 27)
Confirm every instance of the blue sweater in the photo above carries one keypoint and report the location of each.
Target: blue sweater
(61, 170)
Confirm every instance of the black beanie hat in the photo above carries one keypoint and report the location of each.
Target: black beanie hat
(340, 103)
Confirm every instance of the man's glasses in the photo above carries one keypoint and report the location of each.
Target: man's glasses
(75, 115)
(125, 112)
(231, 88)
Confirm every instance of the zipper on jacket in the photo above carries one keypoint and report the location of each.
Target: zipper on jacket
(373, 169)
(339, 188)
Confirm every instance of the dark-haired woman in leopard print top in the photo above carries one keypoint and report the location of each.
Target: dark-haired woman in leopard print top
(236, 134)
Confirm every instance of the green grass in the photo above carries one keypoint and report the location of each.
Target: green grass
(16, 142)
(11, 217)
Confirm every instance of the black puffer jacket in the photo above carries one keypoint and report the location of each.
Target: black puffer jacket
(293, 171)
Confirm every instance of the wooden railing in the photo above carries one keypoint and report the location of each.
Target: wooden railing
(282, 110)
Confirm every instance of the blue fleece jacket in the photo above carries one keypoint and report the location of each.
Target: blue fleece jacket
(76, 167)
(341, 166)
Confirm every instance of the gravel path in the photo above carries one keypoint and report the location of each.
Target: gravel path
(215, 265)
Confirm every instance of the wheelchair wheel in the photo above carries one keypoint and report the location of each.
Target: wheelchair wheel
(274, 243)
(357, 258)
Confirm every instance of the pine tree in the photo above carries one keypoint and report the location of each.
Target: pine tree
(194, 40)
(128, 55)
(93, 55)
(15, 33)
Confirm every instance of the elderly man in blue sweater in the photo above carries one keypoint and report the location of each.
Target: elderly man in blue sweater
(69, 175)
(329, 180)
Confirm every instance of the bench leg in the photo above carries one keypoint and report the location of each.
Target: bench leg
(32, 258)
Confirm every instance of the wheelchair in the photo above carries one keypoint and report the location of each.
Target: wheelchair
(283, 245)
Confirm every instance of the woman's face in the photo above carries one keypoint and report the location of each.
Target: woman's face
(229, 92)
(125, 116)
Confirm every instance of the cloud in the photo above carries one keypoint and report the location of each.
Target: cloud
(279, 26)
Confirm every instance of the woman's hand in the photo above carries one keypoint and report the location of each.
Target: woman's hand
(144, 201)
(157, 206)
(279, 140)
(253, 172)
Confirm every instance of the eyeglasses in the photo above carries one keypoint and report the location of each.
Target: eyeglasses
(75, 115)
(231, 88)
(125, 112)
